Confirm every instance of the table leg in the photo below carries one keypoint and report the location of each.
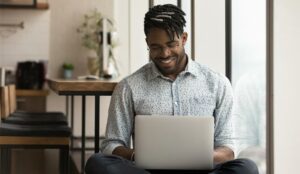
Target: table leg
(72, 121)
(97, 122)
(67, 106)
(83, 135)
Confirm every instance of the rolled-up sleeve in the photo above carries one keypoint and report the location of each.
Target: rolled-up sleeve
(120, 119)
(224, 135)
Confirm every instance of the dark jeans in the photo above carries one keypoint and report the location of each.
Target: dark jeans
(111, 164)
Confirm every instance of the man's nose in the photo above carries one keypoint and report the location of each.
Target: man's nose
(165, 51)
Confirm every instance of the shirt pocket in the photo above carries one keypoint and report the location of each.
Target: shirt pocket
(203, 105)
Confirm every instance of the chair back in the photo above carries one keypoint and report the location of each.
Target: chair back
(4, 103)
(12, 98)
(8, 100)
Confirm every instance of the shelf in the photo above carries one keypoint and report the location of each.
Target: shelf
(31, 93)
(39, 6)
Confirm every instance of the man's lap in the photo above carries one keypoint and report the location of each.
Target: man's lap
(112, 164)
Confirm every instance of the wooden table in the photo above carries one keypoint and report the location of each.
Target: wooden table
(85, 88)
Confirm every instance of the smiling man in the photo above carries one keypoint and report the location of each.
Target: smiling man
(170, 84)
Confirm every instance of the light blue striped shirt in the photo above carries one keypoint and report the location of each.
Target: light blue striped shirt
(197, 91)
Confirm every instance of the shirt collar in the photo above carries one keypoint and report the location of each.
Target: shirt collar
(189, 69)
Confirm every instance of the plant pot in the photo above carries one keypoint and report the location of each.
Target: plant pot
(68, 73)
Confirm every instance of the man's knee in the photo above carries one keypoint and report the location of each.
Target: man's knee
(237, 166)
(249, 163)
(94, 163)
(247, 166)
(110, 164)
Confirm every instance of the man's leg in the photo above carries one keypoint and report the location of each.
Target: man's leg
(237, 166)
(111, 164)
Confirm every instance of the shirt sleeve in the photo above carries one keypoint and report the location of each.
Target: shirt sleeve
(120, 119)
(224, 134)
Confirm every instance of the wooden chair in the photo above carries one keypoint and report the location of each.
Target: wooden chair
(14, 135)
(40, 118)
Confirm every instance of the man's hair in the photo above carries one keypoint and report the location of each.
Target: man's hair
(168, 17)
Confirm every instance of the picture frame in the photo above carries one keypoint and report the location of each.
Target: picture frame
(18, 3)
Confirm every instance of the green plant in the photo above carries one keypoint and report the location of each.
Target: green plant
(90, 29)
(68, 66)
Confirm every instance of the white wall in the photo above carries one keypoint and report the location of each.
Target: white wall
(138, 47)
(29, 43)
(286, 86)
(210, 34)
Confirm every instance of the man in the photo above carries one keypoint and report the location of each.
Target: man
(171, 84)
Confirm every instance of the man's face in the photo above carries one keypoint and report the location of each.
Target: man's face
(168, 55)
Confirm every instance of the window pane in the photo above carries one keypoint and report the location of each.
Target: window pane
(248, 78)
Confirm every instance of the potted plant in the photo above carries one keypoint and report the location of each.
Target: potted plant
(90, 31)
(68, 70)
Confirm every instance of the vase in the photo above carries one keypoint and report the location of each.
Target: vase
(93, 65)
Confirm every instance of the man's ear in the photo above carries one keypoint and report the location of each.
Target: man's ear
(184, 37)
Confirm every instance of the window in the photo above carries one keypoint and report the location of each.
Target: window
(249, 78)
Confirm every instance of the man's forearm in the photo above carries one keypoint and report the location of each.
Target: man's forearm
(124, 152)
(222, 154)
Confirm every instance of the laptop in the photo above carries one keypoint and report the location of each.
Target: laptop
(174, 142)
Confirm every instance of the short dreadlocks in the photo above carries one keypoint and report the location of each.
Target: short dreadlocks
(168, 17)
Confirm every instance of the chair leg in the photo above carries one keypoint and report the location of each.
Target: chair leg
(64, 161)
(5, 160)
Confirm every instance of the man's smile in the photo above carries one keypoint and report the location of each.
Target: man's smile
(166, 61)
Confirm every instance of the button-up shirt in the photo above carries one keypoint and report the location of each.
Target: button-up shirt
(196, 91)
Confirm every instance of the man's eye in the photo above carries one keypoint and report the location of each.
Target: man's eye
(172, 45)
(154, 48)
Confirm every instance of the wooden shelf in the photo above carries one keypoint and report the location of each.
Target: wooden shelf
(39, 6)
(31, 93)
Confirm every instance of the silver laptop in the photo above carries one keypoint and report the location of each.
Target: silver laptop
(174, 142)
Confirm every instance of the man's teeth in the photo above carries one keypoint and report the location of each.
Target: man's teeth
(166, 60)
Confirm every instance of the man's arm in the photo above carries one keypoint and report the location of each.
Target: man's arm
(222, 154)
(120, 119)
(224, 139)
(124, 152)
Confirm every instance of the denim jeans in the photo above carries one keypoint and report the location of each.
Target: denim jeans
(112, 164)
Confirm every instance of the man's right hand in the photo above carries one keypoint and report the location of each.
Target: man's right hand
(124, 152)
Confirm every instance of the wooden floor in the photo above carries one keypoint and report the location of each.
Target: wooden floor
(76, 161)
(39, 161)
(28, 161)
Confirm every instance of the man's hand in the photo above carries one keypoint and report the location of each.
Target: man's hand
(124, 152)
(222, 154)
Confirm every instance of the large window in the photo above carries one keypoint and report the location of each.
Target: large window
(249, 78)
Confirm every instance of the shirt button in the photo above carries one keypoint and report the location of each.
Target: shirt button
(176, 103)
